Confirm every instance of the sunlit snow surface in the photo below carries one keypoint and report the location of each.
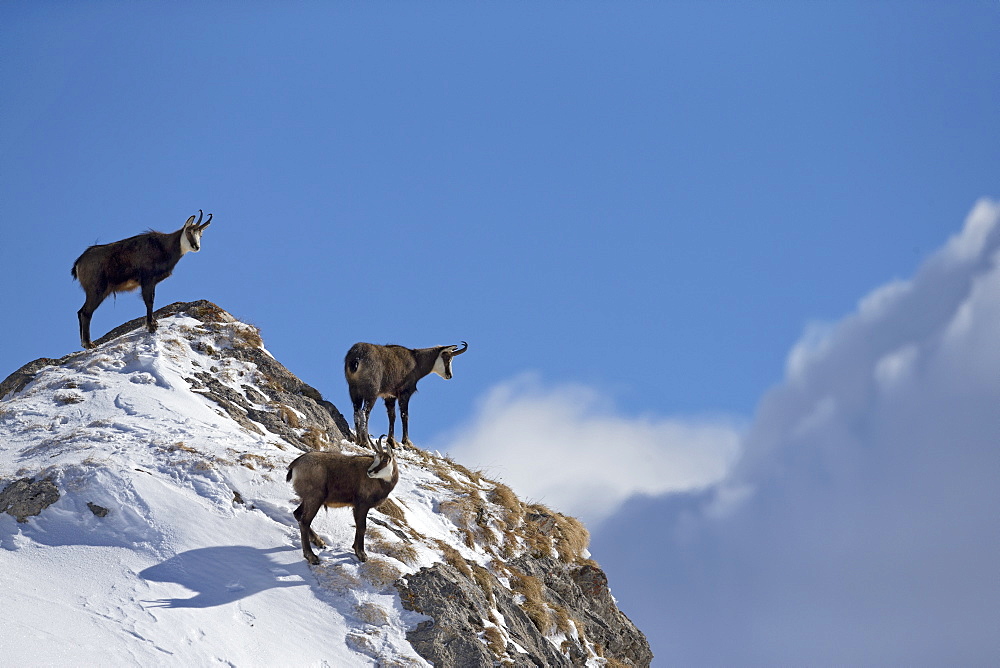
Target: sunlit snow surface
(181, 572)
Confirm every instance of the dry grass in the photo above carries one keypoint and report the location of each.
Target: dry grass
(495, 641)
(247, 335)
(504, 496)
(573, 538)
(476, 477)
(207, 312)
(400, 551)
(453, 558)
(287, 415)
(255, 462)
(392, 509)
(315, 438)
(396, 549)
(380, 572)
(534, 605)
(179, 446)
(68, 397)
(484, 581)
(564, 623)
(371, 613)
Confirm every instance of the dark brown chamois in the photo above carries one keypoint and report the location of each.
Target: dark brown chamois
(391, 372)
(141, 261)
(335, 480)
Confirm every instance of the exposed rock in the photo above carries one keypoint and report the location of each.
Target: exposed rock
(582, 589)
(27, 496)
(459, 607)
(17, 381)
(100, 511)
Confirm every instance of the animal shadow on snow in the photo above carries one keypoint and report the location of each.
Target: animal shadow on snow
(225, 574)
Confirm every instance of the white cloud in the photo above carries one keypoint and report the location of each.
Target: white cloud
(860, 526)
(565, 447)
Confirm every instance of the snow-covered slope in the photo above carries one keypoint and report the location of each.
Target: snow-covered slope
(172, 542)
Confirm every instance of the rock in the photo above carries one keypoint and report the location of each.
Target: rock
(100, 511)
(460, 607)
(27, 496)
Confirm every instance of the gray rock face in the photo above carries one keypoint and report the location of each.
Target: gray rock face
(26, 497)
(458, 605)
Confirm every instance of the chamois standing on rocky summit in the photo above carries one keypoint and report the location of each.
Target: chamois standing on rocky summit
(391, 372)
(335, 480)
(141, 261)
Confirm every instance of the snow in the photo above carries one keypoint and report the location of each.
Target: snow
(198, 560)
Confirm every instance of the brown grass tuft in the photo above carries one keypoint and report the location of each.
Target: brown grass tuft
(315, 438)
(247, 335)
(495, 641)
(371, 613)
(534, 604)
(573, 538)
(504, 496)
(484, 581)
(288, 416)
(392, 509)
(453, 558)
(254, 461)
(380, 572)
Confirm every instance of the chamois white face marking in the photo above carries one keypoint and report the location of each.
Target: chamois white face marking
(381, 468)
(442, 366)
(190, 240)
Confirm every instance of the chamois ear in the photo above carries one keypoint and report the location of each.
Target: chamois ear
(189, 221)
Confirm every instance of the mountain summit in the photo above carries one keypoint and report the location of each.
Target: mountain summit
(145, 520)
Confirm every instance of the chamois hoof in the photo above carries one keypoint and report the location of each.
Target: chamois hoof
(88, 346)
(318, 542)
(151, 327)
(360, 554)
(312, 559)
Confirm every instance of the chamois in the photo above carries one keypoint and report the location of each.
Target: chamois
(141, 261)
(335, 480)
(391, 372)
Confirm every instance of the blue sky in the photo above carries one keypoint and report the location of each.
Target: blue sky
(650, 221)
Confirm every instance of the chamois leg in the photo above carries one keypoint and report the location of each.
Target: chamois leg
(305, 514)
(404, 414)
(360, 524)
(359, 420)
(148, 294)
(313, 538)
(362, 411)
(390, 409)
(86, 312)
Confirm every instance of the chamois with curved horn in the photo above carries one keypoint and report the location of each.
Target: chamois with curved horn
(141, 261)
(391, 372)
(335, 480)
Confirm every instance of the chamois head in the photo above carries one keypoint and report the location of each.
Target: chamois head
(442, 365)
(382, 466)
(192, 231)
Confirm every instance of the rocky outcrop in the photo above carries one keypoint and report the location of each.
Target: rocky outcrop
(464, 607)
(27, 497)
